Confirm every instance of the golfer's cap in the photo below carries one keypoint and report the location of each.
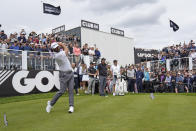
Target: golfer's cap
(54, 45)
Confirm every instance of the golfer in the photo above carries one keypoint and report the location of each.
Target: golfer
(66, 76)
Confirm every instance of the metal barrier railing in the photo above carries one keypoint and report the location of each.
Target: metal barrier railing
(176, 64)
(32, 60)
(10, 59)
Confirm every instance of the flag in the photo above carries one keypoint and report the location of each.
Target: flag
(50, 9)
(174, 26)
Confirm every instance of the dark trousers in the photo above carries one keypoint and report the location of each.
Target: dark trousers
(172, 88)
(76, 84)
(139, 85)
(102, 85)
(147, 86)
(131, 85)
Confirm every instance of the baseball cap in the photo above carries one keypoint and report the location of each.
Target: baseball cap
(54, 45)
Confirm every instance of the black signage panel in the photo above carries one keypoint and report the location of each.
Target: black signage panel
(117, 32)
(142, 55)
(58, 29)
(89, 25)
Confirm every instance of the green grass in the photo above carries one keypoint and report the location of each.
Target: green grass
(168, 112)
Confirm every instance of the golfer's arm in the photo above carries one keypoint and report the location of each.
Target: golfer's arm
(64, 48)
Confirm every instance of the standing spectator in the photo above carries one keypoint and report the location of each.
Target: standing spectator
(146, 80)
(173, 82)
(115, 70)
(131, 73)
(139, 77)
(168, 82)
(85, 77)
(76, 80)
(102, 72)
(188, 81)
(179, 84)
(85, 52)
(70, 47)
(92, 75)
(77, 53)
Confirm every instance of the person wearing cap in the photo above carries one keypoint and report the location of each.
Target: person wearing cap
(115, 70)
(66, 76)
(92, 74)
(102, 72)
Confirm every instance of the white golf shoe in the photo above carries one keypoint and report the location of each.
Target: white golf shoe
(71, 109)
(49, 107)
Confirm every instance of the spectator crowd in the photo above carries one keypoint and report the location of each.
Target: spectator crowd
(92, 75)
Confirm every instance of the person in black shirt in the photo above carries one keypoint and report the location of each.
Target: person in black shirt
(85, 50)
(92, 74)
(102, 72)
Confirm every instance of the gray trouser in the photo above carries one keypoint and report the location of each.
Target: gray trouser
(66, 81)
(102, 84)
(91, 84)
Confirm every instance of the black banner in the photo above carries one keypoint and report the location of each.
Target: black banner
(14, 83)
(142, 55)
(89, 25)
(50, 9)
(117, 32)
(58, 29)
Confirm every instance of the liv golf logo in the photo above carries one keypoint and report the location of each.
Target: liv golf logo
(30, 83)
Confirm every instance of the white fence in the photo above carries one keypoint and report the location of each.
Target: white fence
(187, 63)
(33, 60)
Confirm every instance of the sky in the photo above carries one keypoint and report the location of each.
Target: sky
(147, 21)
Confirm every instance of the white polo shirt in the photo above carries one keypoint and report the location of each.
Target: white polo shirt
(63, 61)
(115, 70)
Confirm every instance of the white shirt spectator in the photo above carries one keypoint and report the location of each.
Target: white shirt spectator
(115, 70)
(3, 47)
(193, 55)
(131, 73)
(91, 52)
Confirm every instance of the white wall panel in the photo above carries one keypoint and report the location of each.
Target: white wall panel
(111, 46)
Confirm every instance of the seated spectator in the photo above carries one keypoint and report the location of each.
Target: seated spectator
(91, 54)
(27, 47)
(3, 36)
(97, 54)
(22, 38)
(85, 50)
